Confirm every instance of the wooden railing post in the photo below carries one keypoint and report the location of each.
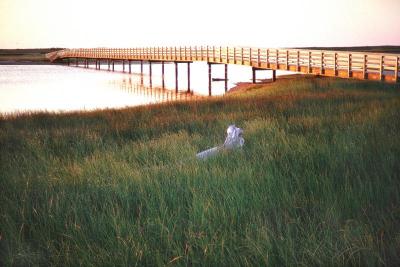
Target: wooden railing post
(268, 65)
(220, 54)
(214, 53)
(309, 61)
(396, 70)
(381, 69)
(258, 58)
(175, 57)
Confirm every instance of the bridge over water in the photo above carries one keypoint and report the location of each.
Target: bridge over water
(344, 64)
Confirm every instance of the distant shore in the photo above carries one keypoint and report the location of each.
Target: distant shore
(36, 56)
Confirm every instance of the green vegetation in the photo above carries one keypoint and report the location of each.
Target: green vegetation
(25, 56)
(316, 184)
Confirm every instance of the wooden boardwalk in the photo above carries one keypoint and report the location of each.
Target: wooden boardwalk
(344, 64)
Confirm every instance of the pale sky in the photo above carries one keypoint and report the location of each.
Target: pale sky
(123, 23)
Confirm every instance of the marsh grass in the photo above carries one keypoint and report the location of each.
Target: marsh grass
(316, 184)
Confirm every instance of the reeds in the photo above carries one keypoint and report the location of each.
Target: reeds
(316, 184)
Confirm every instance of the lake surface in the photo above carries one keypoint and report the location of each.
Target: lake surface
(56, 88)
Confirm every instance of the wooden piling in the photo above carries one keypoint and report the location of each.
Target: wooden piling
(254, 74)
(273, 75)
(176, 77)
(150, 75)
(226, 77)
(141, 72)
(188, 77)
(163, 74)
(209, 78)
(364, 67)
(322, 64)
(335, 64)
(349, 65)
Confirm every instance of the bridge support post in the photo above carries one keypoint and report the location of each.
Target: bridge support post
(141, 72)
(123, 65)
(76, 62)
(273, 75)
(254, 74)
(99, 66)
(130, 70)
(188, 76)
(108, 63)
(163, 74)
(209, 78)
(176, 77)
(113, 65)
(150, 75)
(226, 77)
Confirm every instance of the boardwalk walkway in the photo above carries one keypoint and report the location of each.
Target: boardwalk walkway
(345, 64)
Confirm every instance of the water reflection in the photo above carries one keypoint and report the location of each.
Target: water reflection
(60, 88)
(55, 88)
(157, 94)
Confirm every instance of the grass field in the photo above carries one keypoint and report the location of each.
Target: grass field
(316, 183)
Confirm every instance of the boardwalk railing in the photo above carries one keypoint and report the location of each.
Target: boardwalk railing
(346, 64)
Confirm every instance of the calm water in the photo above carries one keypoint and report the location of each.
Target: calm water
(25, 88)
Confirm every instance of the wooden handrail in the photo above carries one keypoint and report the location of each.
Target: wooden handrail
(377, 66)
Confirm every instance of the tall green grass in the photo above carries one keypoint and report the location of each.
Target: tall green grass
(316, 184)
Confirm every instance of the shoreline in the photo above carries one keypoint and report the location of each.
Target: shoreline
(12, 63)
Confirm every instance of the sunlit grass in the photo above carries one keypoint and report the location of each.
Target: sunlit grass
(316, 184)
